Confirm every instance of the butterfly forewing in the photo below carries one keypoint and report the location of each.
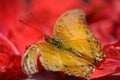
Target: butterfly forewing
(72, 25)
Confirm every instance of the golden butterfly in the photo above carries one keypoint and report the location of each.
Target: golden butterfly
(74, 50)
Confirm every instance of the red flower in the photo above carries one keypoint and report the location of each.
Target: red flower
(103, 16)
(10, 61)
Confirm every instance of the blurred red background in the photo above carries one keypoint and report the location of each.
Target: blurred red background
(103, 17)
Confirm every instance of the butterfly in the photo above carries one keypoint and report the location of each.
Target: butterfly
(73, 50)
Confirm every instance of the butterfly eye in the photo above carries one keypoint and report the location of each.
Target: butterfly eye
(48, 38)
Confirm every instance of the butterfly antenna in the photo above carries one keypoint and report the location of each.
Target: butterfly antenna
(36, 20)
(31, 27)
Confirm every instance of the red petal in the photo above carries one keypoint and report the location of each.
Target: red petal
(10, 60)
(111, 63)
(104, 31)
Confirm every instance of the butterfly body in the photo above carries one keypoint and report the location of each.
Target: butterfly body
(73, 49)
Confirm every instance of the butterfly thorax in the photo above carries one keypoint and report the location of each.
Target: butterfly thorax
(54, 41)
